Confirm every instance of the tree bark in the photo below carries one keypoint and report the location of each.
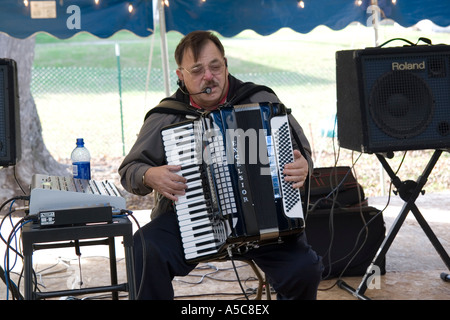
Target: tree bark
(35, 158)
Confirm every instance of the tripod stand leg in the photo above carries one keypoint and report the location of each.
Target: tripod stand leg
(409, 197)
(431, 236)
(341, 284)
(380, 256)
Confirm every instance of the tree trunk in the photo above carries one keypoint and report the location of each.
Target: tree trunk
(35, 157)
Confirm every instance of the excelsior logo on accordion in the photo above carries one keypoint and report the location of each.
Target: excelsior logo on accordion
(233, 160)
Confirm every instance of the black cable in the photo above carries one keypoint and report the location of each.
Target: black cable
(365, 227)
(4, 274)
(129, 213)
(245, 292)
(238, 278)
(20, 223)
(334, 192)
(17, 180)
(426, 40)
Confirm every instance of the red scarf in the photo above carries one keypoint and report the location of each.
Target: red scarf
(221, 101)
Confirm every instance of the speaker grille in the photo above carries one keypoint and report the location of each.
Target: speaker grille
(401, 104)
(3, 116)
(9, 114)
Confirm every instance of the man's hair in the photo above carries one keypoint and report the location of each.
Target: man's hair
(195, 41)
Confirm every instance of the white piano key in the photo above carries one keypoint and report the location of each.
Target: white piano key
(182, 159)
(190, 202)
(189, 198)
(194, 227)
(178, 129)
(101, 189)
(195, 255)
(194, 185)
(191, 236)
(197, 249)
(192, 216)
(193, 240)
(191, 195)
(191, 174)
(185, 211)
(193, 223)
(178, 143)
(196, 234)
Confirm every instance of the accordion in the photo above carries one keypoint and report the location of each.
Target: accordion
(233, 160)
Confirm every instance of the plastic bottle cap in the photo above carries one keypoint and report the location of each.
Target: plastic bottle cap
(80, 142)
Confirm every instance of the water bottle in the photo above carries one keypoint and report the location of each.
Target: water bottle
(81, 161)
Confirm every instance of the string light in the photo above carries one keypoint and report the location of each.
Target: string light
(130, 8)
(25, 3)
(301, 4)
(360, 2)
(96, 2)
(165, 3)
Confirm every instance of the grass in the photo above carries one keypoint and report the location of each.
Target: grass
(248, 52)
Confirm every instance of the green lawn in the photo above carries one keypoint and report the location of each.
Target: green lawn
(248, 51)
(76, 85)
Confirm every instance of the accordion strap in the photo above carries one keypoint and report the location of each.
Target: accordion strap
(173, 106)
(247, 90)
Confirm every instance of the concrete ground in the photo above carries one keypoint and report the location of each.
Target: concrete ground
(413, 266)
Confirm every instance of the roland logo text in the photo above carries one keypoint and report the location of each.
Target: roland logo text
(401, 66)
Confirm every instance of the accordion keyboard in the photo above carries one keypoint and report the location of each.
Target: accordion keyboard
(200, 234)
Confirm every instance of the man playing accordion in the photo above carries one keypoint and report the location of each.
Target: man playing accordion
(291, 267)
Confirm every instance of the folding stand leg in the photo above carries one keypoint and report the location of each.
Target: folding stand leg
(113, 266)
(409, 191)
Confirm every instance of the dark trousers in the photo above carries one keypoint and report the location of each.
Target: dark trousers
(292, 267)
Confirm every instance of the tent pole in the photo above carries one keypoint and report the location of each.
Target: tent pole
(164, 51)
(119, 79)
(376, 20)
(376, 10)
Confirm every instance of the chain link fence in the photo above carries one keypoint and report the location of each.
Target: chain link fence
(93, 104)
(107, 108)
(106, 105)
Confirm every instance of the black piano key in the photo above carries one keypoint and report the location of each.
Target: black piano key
(204, 233)
(205, 243)
(190, 166)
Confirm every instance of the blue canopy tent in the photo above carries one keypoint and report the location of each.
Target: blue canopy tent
(65, 18)
(22, 18)
(230, 17)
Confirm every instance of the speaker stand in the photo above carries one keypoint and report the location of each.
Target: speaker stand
(408, 191)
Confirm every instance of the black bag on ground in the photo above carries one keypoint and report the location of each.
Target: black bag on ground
(346, 238)
(334, 187)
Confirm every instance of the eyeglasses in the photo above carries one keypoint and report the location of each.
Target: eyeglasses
(198, 71)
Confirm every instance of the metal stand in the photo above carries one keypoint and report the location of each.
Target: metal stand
(408, 191)
(35, 238)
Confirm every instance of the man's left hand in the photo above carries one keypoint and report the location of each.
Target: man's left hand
(297, 171)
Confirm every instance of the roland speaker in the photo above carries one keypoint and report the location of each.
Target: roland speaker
(393, 99)
(9, 114)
